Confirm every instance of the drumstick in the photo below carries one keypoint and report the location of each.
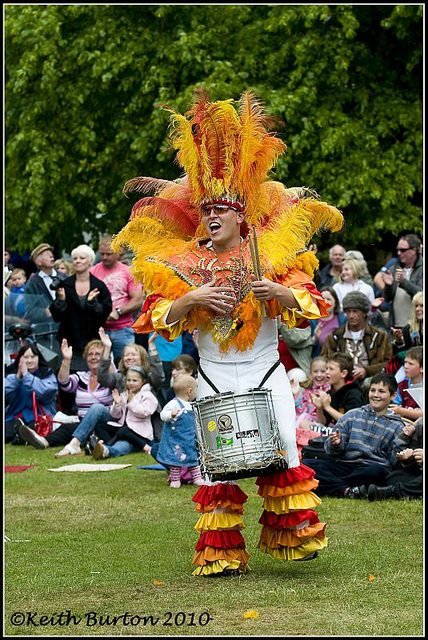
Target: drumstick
(255, 257)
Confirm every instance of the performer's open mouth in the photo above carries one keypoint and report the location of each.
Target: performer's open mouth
(214, 227)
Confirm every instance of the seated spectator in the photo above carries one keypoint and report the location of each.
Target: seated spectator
(132, 409)
(361, 446)
(411, 335)
(370, 348)
(87, 391)
(98, 416)
(298, 344)
(344, 393)
(364, 272)
(81, 307)
(324, 326)
(177, 449)
(126, 296)
(403, 280)
(350, 280)
(404, 405)
(27, 375)
(63, 266)
(306, 411)
(407, 480)
(329, 274)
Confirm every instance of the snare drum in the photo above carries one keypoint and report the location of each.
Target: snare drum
(237, 434)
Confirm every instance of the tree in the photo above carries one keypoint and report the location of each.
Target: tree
(84, 84)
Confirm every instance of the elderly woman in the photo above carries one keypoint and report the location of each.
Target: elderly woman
(29, 373)
(82, 305)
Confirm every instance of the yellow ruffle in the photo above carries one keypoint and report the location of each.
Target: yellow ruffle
(295, 553)
(276, 538)
(214, 521)
(268, 491)
(291, 503)
(159, 314)
(308, 308)
(221, 566)
(210, 554)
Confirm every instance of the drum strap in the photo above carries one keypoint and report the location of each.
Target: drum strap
(267, 375)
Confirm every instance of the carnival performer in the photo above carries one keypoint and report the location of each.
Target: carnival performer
(197, 260)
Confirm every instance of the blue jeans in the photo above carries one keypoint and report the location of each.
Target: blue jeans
(120, 339)
(120, 448)
(97, 413)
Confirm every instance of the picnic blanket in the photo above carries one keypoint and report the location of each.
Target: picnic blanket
(91, 467)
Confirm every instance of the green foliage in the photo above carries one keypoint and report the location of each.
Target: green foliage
(84, 84)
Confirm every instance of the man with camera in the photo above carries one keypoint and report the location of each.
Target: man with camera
(45, 282)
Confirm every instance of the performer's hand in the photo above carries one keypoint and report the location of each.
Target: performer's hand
(220, 299)
(263, 289)
(335, 438)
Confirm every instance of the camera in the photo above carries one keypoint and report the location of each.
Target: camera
(56, 283)
(18, 331)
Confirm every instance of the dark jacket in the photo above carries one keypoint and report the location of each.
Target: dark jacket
(36, 286)
(376, 341)
(347, 397)
(415, 441)
(410, 286)
(409, 340)
(324, 277)
(80, 324)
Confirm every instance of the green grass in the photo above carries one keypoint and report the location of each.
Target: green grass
(83, 542)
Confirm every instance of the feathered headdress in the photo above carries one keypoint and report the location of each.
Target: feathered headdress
(226, 154)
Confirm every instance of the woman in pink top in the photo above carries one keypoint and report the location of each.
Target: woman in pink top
(324, 326)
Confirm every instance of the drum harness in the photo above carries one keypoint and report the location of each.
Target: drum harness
(266, 376)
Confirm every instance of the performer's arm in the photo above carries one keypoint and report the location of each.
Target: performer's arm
(266, 290)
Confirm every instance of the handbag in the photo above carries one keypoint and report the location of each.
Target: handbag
(315, 449)
(43, 422)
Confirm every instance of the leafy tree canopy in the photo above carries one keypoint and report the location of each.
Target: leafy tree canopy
(84, 84)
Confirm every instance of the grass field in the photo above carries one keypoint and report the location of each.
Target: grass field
(110, 554)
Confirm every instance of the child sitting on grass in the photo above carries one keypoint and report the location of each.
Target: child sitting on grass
(404, 405)
(306, 411)
(132, 409)
(177, 447)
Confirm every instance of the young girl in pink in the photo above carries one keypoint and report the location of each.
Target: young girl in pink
(306, 411)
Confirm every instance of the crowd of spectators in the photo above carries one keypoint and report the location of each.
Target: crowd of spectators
(356, 374)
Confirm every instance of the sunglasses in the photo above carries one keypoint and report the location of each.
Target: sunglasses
(218, 209)
(399, 250)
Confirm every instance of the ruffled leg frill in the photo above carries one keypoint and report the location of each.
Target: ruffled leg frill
(221, 547)
(291, 528)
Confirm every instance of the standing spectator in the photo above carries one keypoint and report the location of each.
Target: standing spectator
(299, 344)
(17, 280)
(126, 296)
(29, 373)
(350, 280)
(361, 446)
(64, 266)
(369, 348)
(331, 272)
(344, 393)
(40, 282)
(407, 480)
(411, 335)
(82, 305)
(403, 280)
(324, 326)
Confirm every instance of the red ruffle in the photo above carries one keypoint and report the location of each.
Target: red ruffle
(287, 478)
(291, 519)
(212, 494)
(227, 539)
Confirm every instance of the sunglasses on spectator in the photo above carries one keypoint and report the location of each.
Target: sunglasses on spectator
(217, 208)
(400, 250)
